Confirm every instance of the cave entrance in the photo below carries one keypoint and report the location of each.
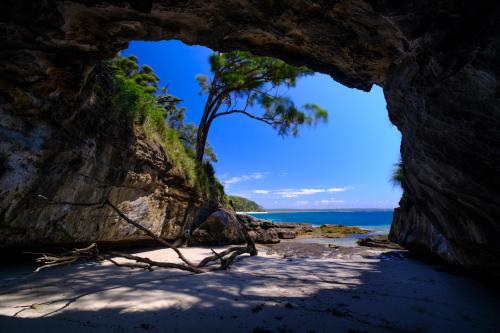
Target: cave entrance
(345, 164)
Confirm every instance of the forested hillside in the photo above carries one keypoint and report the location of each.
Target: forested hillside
(241, 204)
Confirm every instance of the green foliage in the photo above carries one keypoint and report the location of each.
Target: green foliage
(144, 76)
(188, 136)
(208, 183)
(397, 176)
(241, 204)
(139, 104)
(136, 93)
(240, 70)
(241, 80)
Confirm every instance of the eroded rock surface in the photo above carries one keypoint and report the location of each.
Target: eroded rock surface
(268, 232)
(437, 61)
(220, 228)
(225, 227)
(52, 171)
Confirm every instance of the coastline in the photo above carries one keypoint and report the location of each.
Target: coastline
(297, 210)
(340, 237)
(364, 218)
(350, 240)
(250, 213)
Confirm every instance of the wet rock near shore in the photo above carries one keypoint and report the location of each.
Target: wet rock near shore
(295, 250)
(336, 231)
(268, 232)
(225, 227)
(378, 242)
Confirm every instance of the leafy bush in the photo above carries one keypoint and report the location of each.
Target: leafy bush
(136, 95)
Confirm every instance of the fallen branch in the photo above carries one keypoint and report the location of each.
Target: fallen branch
(149, 233)
(53, 260)
(236, 250)
(91, 253)
(218, 256)
(131, 265)
(151, 263)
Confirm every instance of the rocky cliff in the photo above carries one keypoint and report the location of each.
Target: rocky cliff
(53, 170)
(444, 98)
(436, 60)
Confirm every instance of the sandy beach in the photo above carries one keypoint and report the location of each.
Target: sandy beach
(319, 290)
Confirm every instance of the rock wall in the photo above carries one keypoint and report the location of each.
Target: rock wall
(444, 98)
(436, 60)
(52, 170)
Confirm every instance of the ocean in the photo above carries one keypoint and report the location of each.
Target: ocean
(379, 221)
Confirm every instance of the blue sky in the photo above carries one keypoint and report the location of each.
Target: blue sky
(346, 163)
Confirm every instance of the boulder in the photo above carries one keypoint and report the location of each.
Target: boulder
(287, 234)
(266, 236)
(220, 228)
(225, 227)
(268, 232)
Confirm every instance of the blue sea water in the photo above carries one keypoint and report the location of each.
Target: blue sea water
(376, 220)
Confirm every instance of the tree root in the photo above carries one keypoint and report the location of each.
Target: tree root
(91, 252)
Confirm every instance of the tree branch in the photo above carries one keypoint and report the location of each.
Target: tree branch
(91, 252)
(151, 263)
(217, 256)
(150, 234)
(265, 120)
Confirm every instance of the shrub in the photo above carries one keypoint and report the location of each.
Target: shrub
(136, 96)
(397, 176)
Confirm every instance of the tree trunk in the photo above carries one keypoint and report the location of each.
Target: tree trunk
(201, 140)
(209, 112)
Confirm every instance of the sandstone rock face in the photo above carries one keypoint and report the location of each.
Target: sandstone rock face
(51, 168)
(436, 60)
(444, 98)
(421, 236)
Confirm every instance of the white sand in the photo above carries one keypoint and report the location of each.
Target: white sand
(352, 294)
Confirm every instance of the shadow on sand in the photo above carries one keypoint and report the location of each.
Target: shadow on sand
(260, 294)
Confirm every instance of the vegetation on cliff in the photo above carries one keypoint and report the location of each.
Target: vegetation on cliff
(241, 80)
(241, 204)
(137, 94)
(397, 175)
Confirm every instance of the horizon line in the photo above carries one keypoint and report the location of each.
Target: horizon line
(357, 208)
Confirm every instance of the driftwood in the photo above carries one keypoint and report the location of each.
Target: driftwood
(52, 260)
(92, 253)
